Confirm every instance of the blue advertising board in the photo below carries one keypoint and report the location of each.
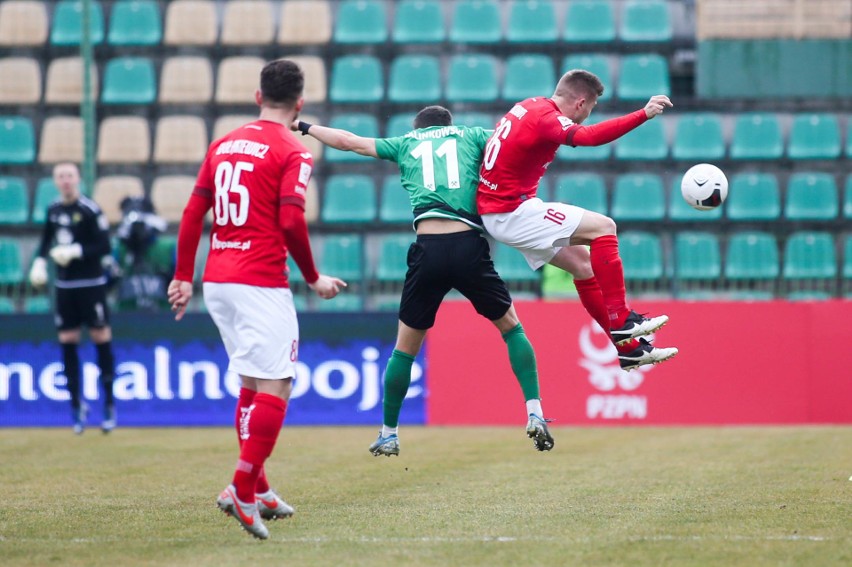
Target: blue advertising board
(170, 374)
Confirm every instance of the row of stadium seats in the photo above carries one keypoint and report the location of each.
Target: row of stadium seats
(261, 22)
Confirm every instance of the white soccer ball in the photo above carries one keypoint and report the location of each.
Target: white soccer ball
(704, 186)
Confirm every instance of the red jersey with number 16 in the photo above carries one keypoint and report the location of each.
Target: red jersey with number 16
(249, 174)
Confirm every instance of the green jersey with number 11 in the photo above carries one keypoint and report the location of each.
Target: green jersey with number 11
(439, 167)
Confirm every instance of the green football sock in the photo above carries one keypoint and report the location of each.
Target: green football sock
(522, 358)
(397, 381)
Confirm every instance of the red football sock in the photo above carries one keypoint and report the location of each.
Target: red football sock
(261, 426)
(243, 403)
(592, 299)
(606, 265)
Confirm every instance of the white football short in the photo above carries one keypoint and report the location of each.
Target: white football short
(536, 228)
(258, 326)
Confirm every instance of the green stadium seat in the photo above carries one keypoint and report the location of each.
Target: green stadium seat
(37, 305)
(361, 21)
(752, 255)
(356, 78)
(814, 136)
(586, 153)
(395, 206)
(847, 258)
(697, 256)
(46, 192)
(698, 137)
(67, 25)
(7, 306)
(346, 302)
(597, 63)
(641, 255)
(556, 283)
(849, 139)
(129, 80)
(847, 198)
(415, 78)
(753, 196)
(393, 256)
(474, 119)
(647, 142)
(11, 266)
(135, 22)
(645, 21)
(14, 199)
(810, 256)
(527, 76)
(811, 196)
(584, 190)
(532, 21)
(757, 136)
(638, 197)
(399, 125)
(512, 266)
(419, 21)
(643, 76)
(349, 198)
(680, 211)
(341, 256)
(472, 78)
(359, 123)
(809, 295)
(590, 21)
(17, 140)
(294, 274)
(476, 21)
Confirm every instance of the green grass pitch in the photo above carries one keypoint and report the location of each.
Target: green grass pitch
(457, 496)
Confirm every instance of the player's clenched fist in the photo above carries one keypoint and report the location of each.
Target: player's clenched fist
(657, 105)
(327, 286)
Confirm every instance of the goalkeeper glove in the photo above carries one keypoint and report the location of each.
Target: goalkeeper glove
(65, 253)
(38, 272)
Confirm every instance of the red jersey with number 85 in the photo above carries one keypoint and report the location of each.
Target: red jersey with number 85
(249, 174)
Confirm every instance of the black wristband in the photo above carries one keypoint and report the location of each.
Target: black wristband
(304, 127)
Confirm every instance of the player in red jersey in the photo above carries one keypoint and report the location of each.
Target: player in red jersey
(255, 180)
(524, 143)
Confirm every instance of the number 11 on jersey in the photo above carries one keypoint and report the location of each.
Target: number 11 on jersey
(448, 151)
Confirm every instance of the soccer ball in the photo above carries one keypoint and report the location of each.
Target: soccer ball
(704, 186)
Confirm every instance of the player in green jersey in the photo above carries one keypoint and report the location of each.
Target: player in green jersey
(439, 166)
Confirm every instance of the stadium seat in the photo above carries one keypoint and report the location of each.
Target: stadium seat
(21, 80)
(358, 123)
(847, 198)
(61, 140)
(643, 76)
(11, 266)
(37, 305)
(64, 84)
(170, 194)
(527, 76)
(698, 137)
(418, 21)
(67, 29)
(472, 78)
(247, 22)
(810, 256)
(597, 63)
(225, 123)
(589, 21)
(135, 22)
(110, 190)
(641, 255)
(680, 211)
(585, 190)
(294, 273)
(190, 22)
(697, 256)
(752, 255)
(586, 153)
(347, 302)
(180, 139)
(556, 283)
(356, 78)
(349, 199)
(849, 139)
(361, 21)
(512, 266)
(638, 197)
(237, 78)
(645, 21)
(809, 295)
(305, 22)
(753, 196)
(17, 140)
(647, 142)
(395, 205)
(847, 258)
(313, 66)
(129, 80)
(7, 306)
(532, 21)
(811, 196)
(474, 119)
(46, 192)
(341, 255)
(814, 136)
(392, 262)
(23, 23)
(757, 136)
(399, 125)
(415, 78)
(124, 139)
(13, 195)
(476, 21)
(186, 80)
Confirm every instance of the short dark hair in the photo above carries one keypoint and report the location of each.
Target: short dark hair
(433, 116)
(281, 82)
(579, 83)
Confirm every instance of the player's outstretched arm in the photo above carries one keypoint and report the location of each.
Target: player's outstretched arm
(614, 128)
(337, 138)
(327, 287)
(657, 105)
(180, 292)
